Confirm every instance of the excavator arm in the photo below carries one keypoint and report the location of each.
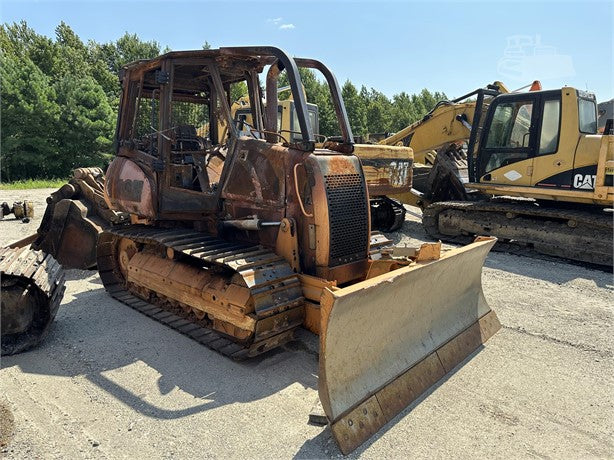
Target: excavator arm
(449, 122)
(443, 132)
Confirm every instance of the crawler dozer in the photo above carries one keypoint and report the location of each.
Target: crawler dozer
(536, 172)
(238, 241)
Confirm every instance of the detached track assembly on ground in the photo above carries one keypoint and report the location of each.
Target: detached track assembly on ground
(32, 289)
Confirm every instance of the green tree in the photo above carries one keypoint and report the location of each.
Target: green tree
(356, 108)
(403, 111)
(237, 91)
(428, 100)
(30, 117)
(379, 111)
(71, 54)
(21, 41)
(57, 100)
(128, 48)
(85, 127)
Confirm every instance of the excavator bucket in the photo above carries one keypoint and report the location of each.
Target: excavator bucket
(387, 339)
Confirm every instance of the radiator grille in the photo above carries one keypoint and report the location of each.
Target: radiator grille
(349, 227)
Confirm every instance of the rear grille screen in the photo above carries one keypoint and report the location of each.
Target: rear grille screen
(349, 227)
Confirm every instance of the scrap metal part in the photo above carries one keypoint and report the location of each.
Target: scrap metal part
(20, 209)
(75, 215)
(32, 289)
(387, 215)
(238, 299)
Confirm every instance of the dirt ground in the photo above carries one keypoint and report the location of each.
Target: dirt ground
(109, 382)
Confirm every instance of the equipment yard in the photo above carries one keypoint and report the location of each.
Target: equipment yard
(109, 382)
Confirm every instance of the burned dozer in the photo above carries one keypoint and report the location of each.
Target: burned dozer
(387, 171)
(32, 268)
(238, 241)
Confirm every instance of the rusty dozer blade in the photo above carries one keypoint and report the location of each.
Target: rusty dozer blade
(386, 340)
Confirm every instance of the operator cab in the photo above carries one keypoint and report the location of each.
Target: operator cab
(177, 124)
(521, 141)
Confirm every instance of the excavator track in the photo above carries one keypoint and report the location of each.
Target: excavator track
(32, 289)
(387, 215)
(522, 225)
(275, 288)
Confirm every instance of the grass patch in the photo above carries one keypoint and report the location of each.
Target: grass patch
(33, 183)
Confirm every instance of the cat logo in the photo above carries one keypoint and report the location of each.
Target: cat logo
(586, 182)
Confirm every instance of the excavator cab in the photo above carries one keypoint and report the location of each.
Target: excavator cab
(545, 140)
(287, 120)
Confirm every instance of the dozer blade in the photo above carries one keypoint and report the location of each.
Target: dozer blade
(386, 340)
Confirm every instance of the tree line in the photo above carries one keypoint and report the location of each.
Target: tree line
(60, 98)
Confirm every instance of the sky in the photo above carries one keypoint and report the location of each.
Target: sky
(454, 47)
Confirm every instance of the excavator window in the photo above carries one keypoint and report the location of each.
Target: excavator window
(509, 135)
(245, 124)
(511, 125)
(312, 112)
(551, 120)
(587, 114)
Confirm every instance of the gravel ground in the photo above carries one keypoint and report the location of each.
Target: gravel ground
(111, 383)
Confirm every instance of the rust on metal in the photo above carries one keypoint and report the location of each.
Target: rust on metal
(75, 215)
(401, 334)
(32, 289)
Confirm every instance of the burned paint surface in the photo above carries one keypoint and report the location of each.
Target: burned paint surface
(129, 189)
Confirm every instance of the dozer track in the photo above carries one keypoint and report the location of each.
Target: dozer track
(32, 289)
(274, 288)
(525, 226)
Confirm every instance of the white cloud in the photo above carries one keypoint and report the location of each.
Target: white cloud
(287, 26)
(275, 20)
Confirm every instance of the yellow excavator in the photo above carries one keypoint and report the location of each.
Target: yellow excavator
(236, 241)
(538, 173)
